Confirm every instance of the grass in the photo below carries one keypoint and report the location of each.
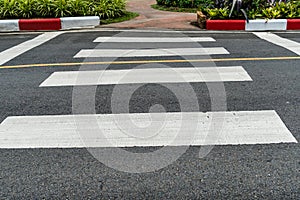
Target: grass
(174, 9)
(127, 16)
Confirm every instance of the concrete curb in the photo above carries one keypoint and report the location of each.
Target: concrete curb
(63, 23)
(254, 25)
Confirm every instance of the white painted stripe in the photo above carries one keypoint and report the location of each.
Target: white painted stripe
(154, 39)
(65, 131)
(151, 75)
(149, 52)
(282, 42)
(9, 25)
(79, 22)
(266, 25)
(156, 31)
(17, 50)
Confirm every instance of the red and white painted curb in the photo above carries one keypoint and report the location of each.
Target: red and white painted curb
(63, 23)
(254, 25)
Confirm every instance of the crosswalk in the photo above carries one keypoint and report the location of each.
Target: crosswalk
(67, 131)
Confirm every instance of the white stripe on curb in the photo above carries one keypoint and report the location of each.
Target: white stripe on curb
(65, 23)
(79, 22)
(154, 39)
(153, 75)
(17, 50)
(149, 52)
(9, 25)
(264, 25)
(283, 42)
(116, 130)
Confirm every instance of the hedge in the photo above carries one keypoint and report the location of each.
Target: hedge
(249, 9)
(61, 8)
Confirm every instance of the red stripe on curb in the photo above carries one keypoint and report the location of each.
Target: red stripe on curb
(293, 24)
(225, 24)
(40, 24)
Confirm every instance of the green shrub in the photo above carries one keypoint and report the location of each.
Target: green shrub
(26, 8)
(282, 10)
(44, 8)
(8, 8)
(61, 8)
(109, 8)
(218, 13)
(254, 9)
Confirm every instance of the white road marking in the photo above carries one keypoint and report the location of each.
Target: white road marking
(283, 42)
(103, 130)
(17, 50)
(154, 39)
(152, 75)
(117, 53)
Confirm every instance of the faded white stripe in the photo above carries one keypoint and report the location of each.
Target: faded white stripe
(212, 128)
(283, 42)
(149, 52)
(17, 50)
(152, 75)
(154, 39)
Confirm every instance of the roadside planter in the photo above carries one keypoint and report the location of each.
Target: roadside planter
(254, 25)
(258, 15)
(63, 23)
(250, 25)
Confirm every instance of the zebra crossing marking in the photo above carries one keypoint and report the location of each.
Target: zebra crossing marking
(101, 53)
(154, 39)
(103, 130)
(152, 75)
(61, 131)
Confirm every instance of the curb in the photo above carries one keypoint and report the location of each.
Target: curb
(254, 25)
(46, 24)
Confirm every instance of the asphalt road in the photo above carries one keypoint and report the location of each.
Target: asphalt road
(253, 171)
